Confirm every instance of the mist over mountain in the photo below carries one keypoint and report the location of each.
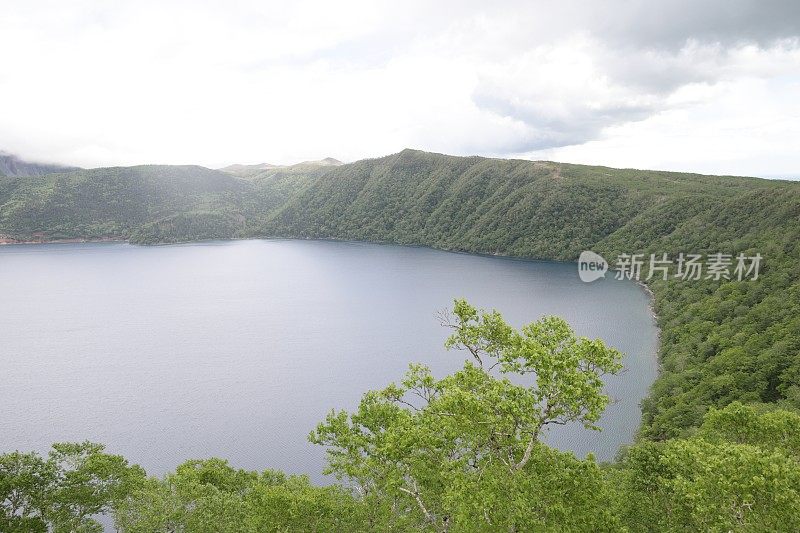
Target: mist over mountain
(11, 165)
(250, 170)
(238, 169)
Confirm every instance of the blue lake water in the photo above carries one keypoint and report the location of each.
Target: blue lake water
(237, 349)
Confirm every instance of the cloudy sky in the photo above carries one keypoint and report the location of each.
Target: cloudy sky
(708, 86)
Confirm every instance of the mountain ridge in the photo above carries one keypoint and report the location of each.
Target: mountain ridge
(14, 166)
(277, 200)
(249, 170)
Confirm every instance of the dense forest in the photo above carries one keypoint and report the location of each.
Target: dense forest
(719, 446)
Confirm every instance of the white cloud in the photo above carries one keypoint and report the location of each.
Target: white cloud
(94, 83)
(745, 127)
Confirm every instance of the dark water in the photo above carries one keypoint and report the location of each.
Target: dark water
(238, 349)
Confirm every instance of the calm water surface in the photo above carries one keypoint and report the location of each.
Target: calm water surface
(237, 349)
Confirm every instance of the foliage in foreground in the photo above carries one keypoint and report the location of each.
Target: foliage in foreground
(740, 472)
(464, 453)
(63, 491)
(460, 453)
(211, 496)
(468, 456)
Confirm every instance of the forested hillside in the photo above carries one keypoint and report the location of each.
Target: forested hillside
(117, 202)
(511, 207)
(724, 403)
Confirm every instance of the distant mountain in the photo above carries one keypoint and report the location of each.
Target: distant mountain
(327, 162)
(252, 170)
(11, 165)
(246, 170)
(117, 202)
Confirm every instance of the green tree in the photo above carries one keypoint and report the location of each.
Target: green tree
(211, 496)
(63, 492)
(446, 454)
(26, 483)
(740, 472)
(771, 430)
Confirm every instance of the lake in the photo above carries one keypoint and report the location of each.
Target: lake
(238, 349)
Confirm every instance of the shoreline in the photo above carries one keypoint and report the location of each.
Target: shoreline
(646, 288)
(9, 241)
(6, 240)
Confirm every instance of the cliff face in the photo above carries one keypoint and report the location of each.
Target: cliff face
(11, 165)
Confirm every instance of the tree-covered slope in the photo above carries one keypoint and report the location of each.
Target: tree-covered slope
(117, 202)
(514, 207)
(725, 341)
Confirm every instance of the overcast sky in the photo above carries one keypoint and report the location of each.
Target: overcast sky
(706, 86)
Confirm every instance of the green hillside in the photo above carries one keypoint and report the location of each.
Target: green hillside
(117, 202)
(512, 207)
